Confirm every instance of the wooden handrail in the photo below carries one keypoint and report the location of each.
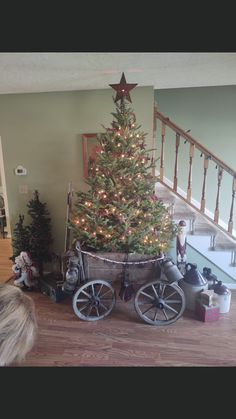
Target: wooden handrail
(192, 140)
(208, 156)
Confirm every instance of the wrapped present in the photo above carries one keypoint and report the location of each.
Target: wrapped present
(208, 297)
(206, 313)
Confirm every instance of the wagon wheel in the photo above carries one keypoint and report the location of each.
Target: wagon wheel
(94, 300)
(159, 303)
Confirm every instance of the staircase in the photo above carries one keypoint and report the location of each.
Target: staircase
(211, 238)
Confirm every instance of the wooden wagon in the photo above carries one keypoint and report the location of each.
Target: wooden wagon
(158, 300)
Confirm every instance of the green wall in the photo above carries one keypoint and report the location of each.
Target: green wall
(209, 112)
(41, 131)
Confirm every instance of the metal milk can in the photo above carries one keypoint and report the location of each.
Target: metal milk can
(171, 271)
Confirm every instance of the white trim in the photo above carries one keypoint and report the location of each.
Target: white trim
(4, 190)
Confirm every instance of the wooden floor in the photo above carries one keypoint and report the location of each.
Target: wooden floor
(122, 339)
(5, 263)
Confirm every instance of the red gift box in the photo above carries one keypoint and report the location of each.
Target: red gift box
(206, 313)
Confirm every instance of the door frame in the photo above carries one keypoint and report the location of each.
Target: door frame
(4, 190)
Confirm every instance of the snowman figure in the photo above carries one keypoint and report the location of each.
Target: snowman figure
(25, 271)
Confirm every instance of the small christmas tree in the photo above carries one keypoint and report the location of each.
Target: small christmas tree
(120, 212)
(21, 238)
(40, 232)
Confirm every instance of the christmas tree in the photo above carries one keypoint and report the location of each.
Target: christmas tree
(21, 238)
(40, 232)
(120, 212)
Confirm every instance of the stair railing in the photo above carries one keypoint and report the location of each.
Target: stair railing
(208, 156)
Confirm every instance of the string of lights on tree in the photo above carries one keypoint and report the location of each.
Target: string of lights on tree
(120, 211)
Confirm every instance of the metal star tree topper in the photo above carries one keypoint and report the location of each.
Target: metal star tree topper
(122, 90)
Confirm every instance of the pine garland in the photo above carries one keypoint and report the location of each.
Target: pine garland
(20, 238)
(40, 231)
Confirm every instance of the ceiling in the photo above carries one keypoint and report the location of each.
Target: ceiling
(48, 72)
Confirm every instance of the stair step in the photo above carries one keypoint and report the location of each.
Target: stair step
(204, 228)
(226, 246)
(166, 197)
(223, 243)
(222, 248)
(167, 202)
(164, 194)
(184, 215)
(204, 231)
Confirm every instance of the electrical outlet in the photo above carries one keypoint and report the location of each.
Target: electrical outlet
(23, 189)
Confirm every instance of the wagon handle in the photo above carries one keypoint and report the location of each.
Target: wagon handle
(78, 248)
